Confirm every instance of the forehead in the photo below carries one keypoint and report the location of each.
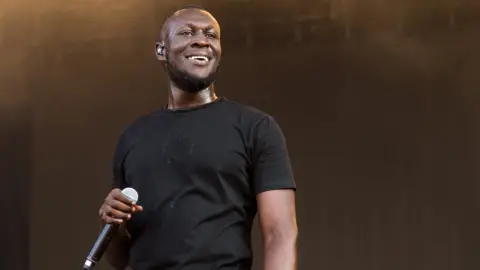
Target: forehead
(192, 18)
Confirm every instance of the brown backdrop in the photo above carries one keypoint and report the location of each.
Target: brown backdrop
(378, 100)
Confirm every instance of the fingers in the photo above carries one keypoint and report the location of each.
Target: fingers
(111, 220)
(137, 208)
(121, 202)
(118, 205)
(117, 208)
(114, 213)
(119, 196)
(127, 208)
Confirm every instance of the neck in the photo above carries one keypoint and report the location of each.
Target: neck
(180, 99)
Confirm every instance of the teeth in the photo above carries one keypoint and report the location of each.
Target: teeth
(197, 57)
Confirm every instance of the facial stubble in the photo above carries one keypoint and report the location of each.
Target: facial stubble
(188, 82)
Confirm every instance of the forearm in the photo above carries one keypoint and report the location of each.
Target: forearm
(117, 252)
(280, 252)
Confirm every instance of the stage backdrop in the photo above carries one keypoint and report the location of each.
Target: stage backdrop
(379, 102)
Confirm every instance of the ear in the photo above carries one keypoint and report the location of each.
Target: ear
(160, 51)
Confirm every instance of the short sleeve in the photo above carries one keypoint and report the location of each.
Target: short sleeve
(118, 177)
(271, 167)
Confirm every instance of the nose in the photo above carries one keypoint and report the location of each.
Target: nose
(200, 41)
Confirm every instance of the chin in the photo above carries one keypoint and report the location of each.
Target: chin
(199, 75)
(192, 79)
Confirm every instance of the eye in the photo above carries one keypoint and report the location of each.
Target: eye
(211, 35)
(186, 33)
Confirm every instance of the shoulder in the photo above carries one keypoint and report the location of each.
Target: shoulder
(250, 114)
(135, 129)
(259, 127)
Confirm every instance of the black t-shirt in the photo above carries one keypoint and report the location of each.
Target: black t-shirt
(197, 172)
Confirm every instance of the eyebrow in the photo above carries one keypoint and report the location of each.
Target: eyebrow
(207, 28)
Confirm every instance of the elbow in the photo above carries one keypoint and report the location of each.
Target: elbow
(118, 252)
(116, 262)
(291, 235)
(286, 236)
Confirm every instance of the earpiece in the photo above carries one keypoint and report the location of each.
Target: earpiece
(160, 48)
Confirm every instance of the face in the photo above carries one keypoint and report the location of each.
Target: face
(192, 49)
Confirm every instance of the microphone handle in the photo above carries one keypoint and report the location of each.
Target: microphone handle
(100, 245)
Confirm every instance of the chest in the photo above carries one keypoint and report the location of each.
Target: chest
(174, 157)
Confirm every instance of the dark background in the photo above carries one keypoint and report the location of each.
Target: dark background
(379, 101)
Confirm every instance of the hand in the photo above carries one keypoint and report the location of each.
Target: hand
(117, 208)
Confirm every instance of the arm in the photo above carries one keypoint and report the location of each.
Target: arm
(275, 189)
(118, 209)
(279, 230)
(117, 252)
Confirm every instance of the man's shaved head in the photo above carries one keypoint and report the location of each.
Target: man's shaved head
(165, 30)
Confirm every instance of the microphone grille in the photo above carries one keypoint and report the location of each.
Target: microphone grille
(130, 193)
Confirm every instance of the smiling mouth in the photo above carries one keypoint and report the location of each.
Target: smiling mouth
(198, 59)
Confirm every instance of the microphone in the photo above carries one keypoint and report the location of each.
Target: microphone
(106, 236)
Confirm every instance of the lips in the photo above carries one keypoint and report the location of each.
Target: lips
(198, 58)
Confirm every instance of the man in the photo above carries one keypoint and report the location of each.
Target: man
(203, 167)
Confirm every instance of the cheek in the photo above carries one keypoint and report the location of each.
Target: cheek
(217, 49)
(178, 46)
(175, 55)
